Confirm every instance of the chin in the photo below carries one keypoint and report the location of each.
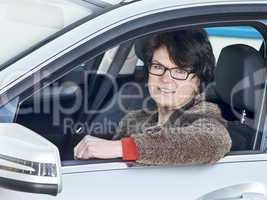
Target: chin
(171, 104)
(167, 104)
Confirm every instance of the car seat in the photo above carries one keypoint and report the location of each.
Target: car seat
(239, 84)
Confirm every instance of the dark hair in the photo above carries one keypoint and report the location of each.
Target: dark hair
(189, 49)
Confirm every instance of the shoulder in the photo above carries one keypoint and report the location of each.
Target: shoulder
(206, 109)
(201, 105)
(137, 115)
(130, 122)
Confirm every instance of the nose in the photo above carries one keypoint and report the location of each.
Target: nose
(166, 77)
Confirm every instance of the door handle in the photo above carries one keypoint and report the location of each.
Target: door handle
(254, 196)
(246, 191)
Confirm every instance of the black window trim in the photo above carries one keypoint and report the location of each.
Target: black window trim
(263, 122)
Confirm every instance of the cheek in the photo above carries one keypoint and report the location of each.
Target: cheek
(152, 84)
(190, 86)
(186, 89)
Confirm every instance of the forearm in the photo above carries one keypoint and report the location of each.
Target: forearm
(203, 142)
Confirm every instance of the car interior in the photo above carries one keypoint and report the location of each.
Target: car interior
(236, 65)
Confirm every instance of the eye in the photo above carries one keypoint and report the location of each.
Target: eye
(179, 71)
(156, 66)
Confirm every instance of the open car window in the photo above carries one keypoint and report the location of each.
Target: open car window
(55, 111)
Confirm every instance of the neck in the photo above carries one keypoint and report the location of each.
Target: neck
(163, 114)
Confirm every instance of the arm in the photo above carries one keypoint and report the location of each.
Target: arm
(206, 140)
(92, 147)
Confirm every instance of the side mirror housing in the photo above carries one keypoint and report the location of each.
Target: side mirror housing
(28, 162)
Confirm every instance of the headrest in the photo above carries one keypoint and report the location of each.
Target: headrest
(141, 73)
(240, 77)
(139, 47)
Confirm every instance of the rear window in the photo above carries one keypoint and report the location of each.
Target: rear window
(24, 23)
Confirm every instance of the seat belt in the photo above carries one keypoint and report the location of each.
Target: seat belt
(104, 88)
(92, 79)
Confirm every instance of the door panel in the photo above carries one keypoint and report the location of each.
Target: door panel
(163, 183)
(188, 182)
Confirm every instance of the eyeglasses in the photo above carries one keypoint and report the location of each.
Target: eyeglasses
(176, 73)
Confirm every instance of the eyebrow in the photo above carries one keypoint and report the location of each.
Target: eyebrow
(157, 62)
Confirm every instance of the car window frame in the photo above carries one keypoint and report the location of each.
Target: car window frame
(97, 48)
(263, 140)
(261, 125)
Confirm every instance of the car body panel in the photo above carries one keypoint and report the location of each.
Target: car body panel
(116, 181)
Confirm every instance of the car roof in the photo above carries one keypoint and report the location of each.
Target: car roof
(181, 2)
(113, 4)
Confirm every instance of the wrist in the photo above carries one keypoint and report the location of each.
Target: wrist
(117, 147)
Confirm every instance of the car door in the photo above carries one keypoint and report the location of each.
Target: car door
(239, 175)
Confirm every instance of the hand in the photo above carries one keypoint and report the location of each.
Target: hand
(93, 147)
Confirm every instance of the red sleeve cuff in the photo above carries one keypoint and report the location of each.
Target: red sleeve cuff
(129, 149)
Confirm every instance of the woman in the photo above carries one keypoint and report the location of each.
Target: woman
(185, 129)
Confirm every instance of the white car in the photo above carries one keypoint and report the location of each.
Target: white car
(70, 67)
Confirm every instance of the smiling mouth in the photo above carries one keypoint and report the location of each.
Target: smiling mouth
(166, 90)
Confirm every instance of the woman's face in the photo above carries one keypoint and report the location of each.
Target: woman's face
(169, 92)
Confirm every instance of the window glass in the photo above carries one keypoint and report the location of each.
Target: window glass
(8, 111)
(25, 23)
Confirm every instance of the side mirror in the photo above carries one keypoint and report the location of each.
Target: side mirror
(28, 162)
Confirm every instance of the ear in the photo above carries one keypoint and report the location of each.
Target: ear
(196, 81)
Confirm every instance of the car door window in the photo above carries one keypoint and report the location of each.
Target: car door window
(60, 119)
(53, 111)
(8, 111)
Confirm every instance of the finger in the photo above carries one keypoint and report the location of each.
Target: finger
(80, 146)
(92, 138)
(78, 152)
(81, 150)
(86, 154)
(77, 147)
